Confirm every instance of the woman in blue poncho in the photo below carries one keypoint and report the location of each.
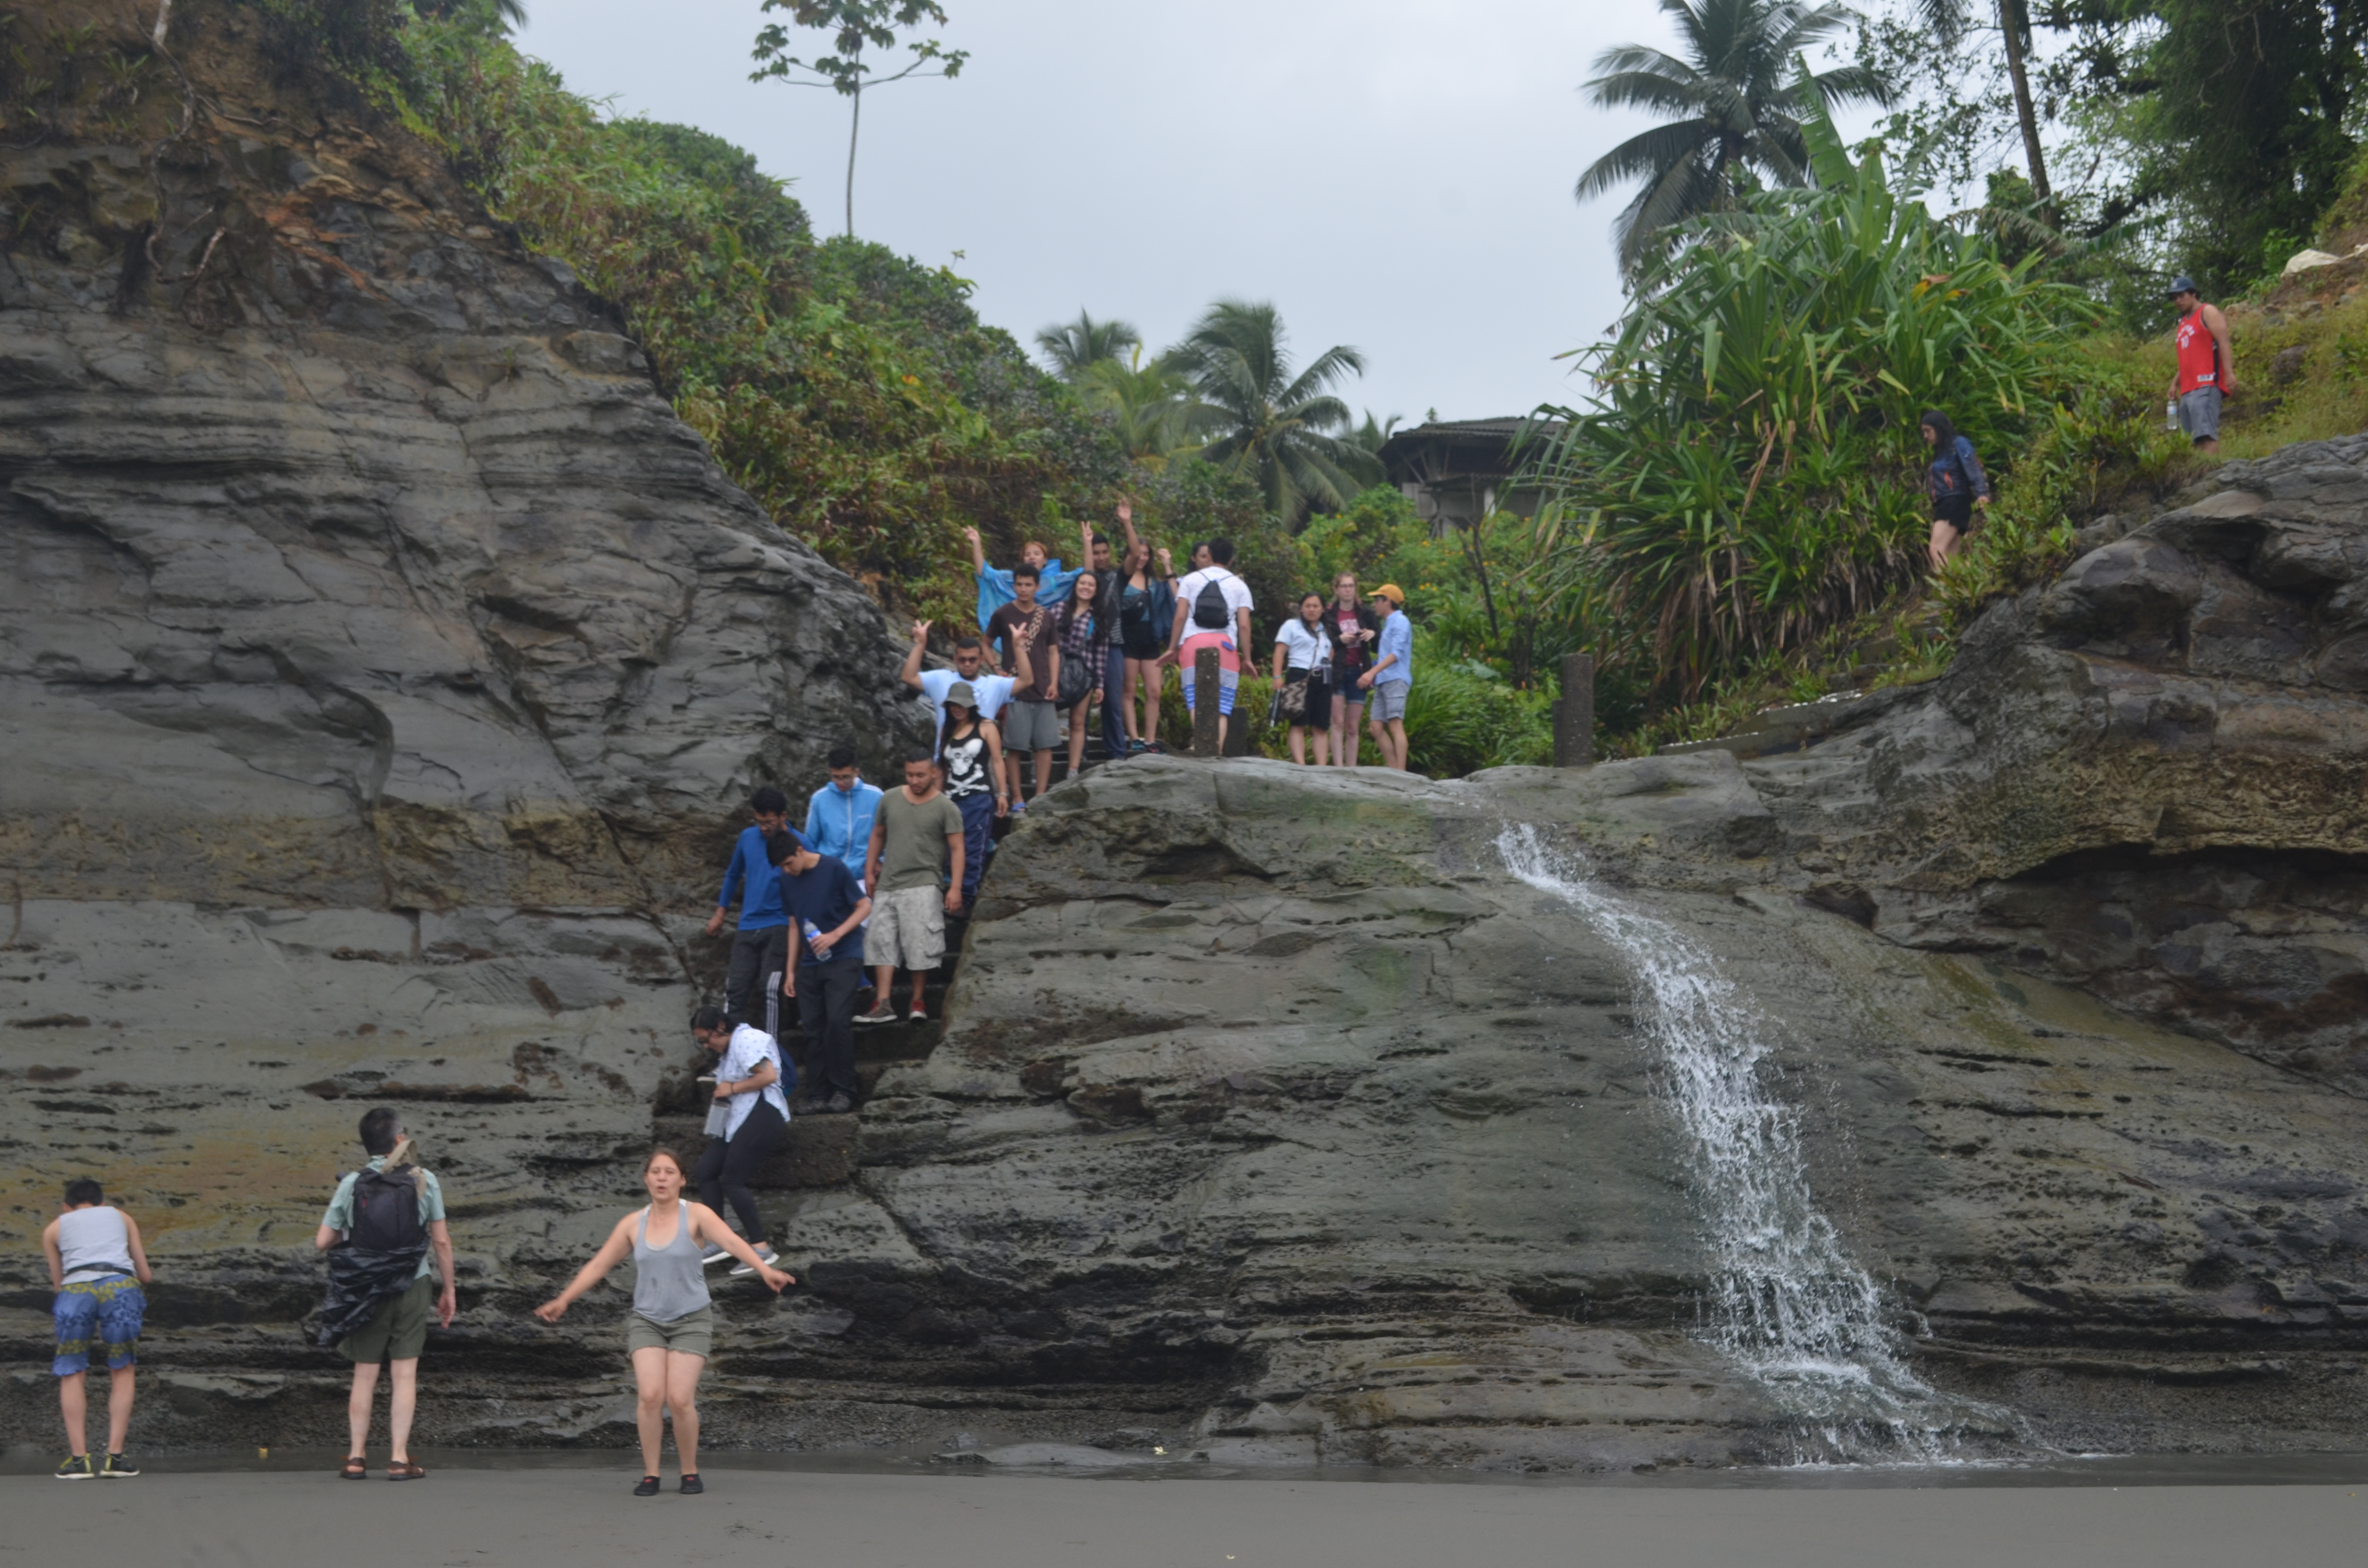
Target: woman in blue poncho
(1053, 582)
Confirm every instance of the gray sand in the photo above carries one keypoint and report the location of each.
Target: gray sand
(535, 1518)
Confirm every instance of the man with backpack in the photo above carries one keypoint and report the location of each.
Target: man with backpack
(387, 1243)
(1213, 611)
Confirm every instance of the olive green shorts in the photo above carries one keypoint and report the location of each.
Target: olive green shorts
(397, 1331)
(692, 1334)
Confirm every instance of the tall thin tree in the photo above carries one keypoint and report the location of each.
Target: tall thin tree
(855, 26)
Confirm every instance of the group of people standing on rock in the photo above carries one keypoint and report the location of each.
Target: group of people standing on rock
(2203, 377)
(1055, 641)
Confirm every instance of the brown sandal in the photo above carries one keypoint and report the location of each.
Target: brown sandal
(356, 1469)
(404, 1471)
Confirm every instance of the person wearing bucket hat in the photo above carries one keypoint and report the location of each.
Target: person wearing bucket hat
(970, 756)
(2205, 373)
(1392, 677)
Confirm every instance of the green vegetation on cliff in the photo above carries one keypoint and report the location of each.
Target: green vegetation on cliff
(853, 392)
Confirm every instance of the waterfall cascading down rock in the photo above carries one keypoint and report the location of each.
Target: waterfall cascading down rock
(1793, 1309)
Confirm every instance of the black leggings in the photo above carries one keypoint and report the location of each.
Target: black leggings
(724, 1169)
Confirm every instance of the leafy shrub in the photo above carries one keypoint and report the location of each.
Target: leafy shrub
(1751, 475)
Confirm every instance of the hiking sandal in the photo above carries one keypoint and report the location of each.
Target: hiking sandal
(356, 1469)
(406, 1471)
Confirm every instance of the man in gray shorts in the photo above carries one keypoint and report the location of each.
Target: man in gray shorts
(2205, 370)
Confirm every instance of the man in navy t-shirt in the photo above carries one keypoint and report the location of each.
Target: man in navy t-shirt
(826, 909)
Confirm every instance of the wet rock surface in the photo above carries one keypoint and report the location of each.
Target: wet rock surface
(382, 669)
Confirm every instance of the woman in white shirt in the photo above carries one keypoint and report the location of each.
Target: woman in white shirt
(1302, 656)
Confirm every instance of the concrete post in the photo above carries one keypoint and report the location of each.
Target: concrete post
(1575, 712)
(1204, 703)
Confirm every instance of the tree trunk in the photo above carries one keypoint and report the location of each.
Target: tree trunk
(2011, 22)
(854, 127)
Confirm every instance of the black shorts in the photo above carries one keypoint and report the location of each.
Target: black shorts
(1957, 511)
(1319, 699)
(1140, 644)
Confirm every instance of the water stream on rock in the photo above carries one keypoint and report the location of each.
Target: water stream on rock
(1791, 1309)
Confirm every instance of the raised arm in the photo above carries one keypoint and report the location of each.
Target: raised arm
(1126, 521)
(614, 1251)
(977, 550)
(911, 673)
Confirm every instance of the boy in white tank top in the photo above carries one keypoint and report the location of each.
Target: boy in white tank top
(96, 1266)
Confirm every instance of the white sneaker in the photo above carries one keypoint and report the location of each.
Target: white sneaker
(711, 1255)
(767, 1256)
(918, 1016)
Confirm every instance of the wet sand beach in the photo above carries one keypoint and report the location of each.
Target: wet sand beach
(529, 1518)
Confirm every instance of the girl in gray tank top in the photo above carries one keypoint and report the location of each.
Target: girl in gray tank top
(669, 1331)
(669, 1282)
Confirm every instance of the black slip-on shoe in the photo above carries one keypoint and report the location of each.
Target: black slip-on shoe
(648, 1487)
(691, 1485)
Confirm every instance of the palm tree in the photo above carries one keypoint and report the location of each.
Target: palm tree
(1152, 405)
(1074, 345)
(1274, 426)
(1732, 108)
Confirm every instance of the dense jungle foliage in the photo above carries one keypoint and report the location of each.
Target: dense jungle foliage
(851, 391)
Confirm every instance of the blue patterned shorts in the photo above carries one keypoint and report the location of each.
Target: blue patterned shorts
(107, 1311)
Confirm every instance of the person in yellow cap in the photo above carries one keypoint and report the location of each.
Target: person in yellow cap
(1392, 676)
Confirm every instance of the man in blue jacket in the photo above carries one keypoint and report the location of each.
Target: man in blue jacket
(838, 818)
(760, 950)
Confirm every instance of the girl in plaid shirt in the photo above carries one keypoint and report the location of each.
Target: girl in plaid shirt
(1076, 631)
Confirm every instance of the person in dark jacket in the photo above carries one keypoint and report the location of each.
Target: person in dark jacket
(1957, 485)
(380, 1283)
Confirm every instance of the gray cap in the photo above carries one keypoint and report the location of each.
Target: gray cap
(2183, 284)
(960, 692)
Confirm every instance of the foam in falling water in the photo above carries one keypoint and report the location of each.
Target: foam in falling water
(1792, 1308)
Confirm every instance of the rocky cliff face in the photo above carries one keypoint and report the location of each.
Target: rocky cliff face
(382, 670)
(385, 667)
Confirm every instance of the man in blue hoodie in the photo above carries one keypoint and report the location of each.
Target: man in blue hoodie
(838, 818)
(760, 950)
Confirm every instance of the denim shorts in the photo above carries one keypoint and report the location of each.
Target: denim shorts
(105, 1312)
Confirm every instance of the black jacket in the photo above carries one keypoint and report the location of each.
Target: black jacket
(359, 1280)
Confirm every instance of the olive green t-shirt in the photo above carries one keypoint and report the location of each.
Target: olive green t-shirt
(913, 839)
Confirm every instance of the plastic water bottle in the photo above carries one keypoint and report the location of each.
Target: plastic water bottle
(2170, 415)
(813, 937)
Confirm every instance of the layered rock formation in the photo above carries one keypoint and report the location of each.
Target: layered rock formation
(383, 667)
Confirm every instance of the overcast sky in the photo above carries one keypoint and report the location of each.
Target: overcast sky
(1392, 175)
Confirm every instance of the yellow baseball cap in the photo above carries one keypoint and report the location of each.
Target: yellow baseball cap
(1392, 593)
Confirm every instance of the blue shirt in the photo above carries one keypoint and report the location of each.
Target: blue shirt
(1397, 637)
(838, 823)
(1958, 473)
(995, 590)
(760, 885)
(827, 895)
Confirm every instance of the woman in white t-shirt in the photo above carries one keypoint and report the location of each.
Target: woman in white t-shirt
(1303, 657)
